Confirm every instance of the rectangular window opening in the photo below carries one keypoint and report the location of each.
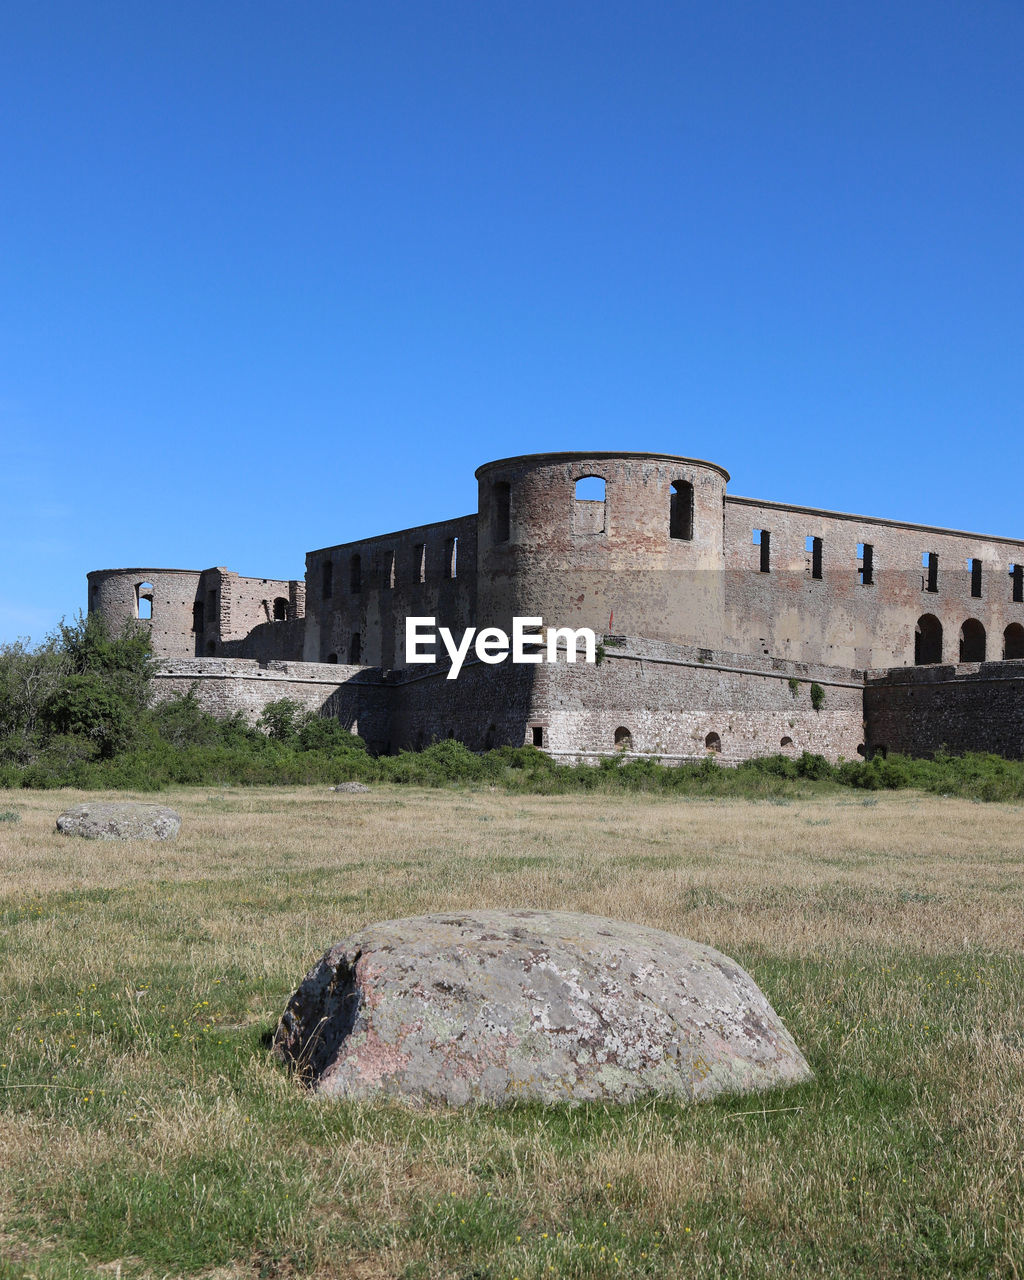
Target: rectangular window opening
(930, 565)
(681, 511)
(974, 565)
(538, 735)
(327, 580)
(451, 558)
(813, 545)
(866, 565)
(419, 562)
(1017, 582)
(501, 511)
(763, 540)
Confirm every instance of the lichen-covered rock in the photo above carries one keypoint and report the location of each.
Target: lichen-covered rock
(489, 1006)
(355, 787)
(120, 820)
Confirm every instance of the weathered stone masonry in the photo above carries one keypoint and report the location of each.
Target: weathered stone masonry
(719, 613)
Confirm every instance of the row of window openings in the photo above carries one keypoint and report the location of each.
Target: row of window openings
(144, 594)
(866, 565)
(390, 574)
(928, 641)
(590, 509)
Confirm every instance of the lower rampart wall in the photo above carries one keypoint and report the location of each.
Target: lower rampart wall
(669, 698)
(224, 686)
(920, 710)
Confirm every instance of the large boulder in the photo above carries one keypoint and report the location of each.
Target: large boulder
(489, 1006)
(120, 820)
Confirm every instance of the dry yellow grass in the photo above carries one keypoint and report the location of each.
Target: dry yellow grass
(138, 978)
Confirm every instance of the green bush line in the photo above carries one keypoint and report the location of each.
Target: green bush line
(251, 758)
(74, 713)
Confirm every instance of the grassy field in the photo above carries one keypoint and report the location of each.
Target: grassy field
(146, 1132)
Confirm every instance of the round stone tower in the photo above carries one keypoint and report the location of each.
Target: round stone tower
(630, 543)
(170, 601)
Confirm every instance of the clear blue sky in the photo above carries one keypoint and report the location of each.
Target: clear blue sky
(277, 276)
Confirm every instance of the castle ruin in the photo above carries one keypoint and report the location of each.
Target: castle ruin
(718, 617)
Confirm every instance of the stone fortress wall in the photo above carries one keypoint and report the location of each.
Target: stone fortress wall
(719, 613)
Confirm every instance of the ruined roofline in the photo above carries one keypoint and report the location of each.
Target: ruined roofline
(152, 568)
(598, 456)
(395, 533)
(878, 520)
(143, 569)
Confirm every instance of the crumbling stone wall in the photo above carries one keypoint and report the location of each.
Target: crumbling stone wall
(838, 618)
(360, 593)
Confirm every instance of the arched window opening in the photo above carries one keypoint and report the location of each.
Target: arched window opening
(623, 739)
(280, 609)
(332, 657)
(972, 641)
(680, 518)
(861, 750)
(713, 742)
(1013, 641)
(927, 640)
(389, 571)
(786, 742)
(451, 558)
(501, 511)
(355, 575)
(144, 600)
(419, 562)
(355, 649)
(589, 507)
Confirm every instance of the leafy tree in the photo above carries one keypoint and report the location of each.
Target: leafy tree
(28, 679)
(281, 719)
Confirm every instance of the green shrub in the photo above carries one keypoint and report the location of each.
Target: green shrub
(817, 696)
